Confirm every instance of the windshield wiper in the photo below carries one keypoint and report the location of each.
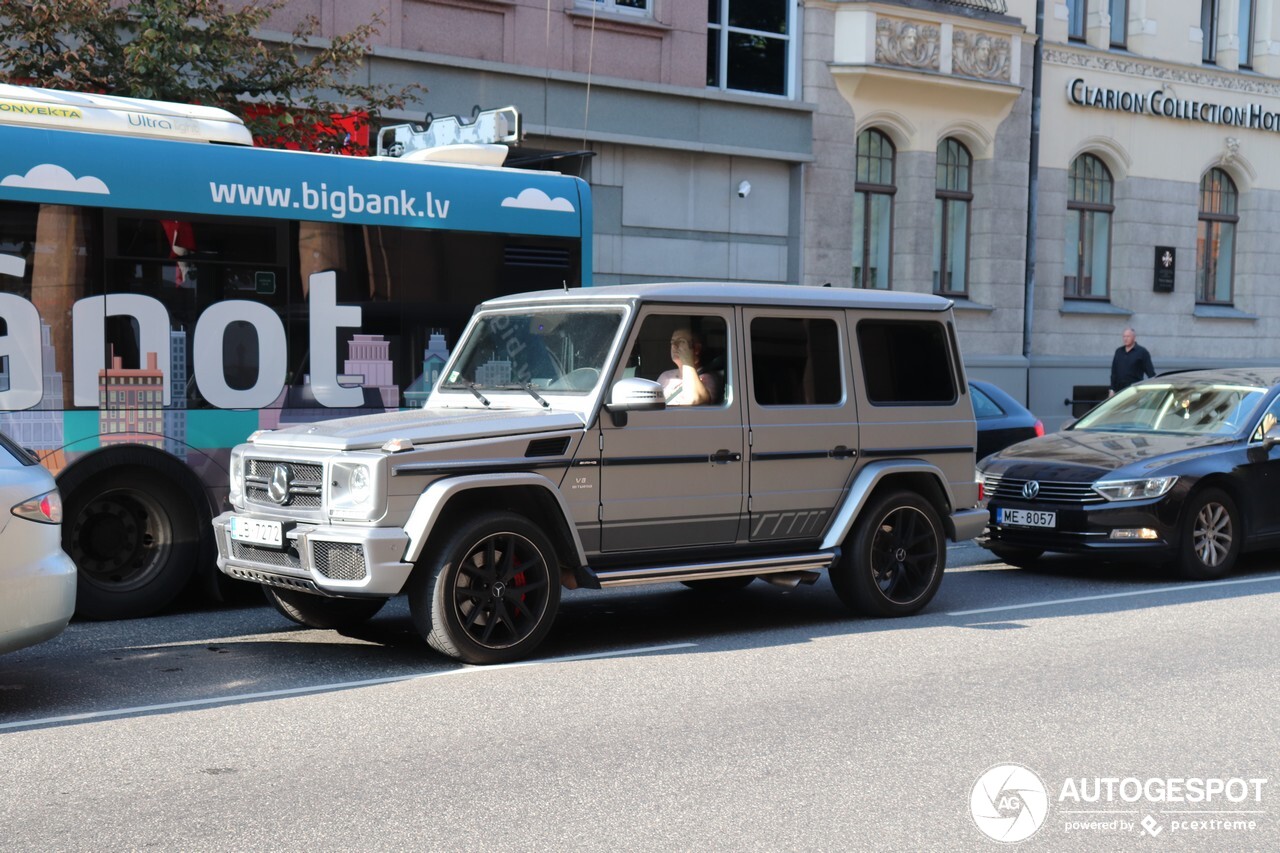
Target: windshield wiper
(528, 386)
(471, 386)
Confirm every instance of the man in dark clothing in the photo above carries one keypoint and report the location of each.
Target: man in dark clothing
(1130, 364)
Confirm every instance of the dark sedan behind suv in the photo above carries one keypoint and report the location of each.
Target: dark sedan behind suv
(1180, 468)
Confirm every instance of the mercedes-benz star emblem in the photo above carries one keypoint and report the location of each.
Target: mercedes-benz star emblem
(1030, 489)
(278, 488)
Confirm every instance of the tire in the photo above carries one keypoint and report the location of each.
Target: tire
(317, 611)
(717, 585)
(1210, 537)
(135, 539)
(894, 559)
(1022, 558)
(489, 592)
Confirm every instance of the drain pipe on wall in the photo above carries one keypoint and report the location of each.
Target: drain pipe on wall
(1033, 186)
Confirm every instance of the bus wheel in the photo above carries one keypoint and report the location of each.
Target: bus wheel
(134, 538)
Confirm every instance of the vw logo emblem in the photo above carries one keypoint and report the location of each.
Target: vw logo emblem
(1030, 489)
(278, 488)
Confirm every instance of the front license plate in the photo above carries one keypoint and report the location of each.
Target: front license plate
(1026, 517)
(256, 532)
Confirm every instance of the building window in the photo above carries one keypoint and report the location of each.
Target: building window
(951, 204)
(873, 211)
(1119, 22)
(1209, 29)
(1077, 12)
(1087, 260)
(1216, 238)
(1246, 33)
(624, 7)
(749, 45)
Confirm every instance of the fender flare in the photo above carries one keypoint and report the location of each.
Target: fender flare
(865, 484)
(431, 503)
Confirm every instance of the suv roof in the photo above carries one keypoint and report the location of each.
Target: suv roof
(738, 294)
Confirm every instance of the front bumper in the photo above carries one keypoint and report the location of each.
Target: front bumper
(1088, 529)
(352, 562)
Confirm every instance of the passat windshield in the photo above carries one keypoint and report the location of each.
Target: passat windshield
(553, 351)
(1191, 408)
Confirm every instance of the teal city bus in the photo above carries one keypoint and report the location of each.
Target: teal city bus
(166, 289)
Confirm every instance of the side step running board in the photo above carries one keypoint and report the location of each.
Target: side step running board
(635, 576)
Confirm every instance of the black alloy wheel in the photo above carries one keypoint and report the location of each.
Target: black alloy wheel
(490, 593)
(895, 558)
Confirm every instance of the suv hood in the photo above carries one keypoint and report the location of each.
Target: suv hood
(1080, 456)
(421, 426)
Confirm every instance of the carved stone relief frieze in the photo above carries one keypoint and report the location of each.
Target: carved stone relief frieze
(1250, 84)
(912, 44)
(980, 55)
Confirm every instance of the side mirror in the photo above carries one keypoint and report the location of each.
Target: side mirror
(634, 395)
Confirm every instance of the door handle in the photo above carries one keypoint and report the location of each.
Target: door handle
(842, 452)
(724, 456)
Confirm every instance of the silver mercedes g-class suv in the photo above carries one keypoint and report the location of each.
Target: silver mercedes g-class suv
(700, 433)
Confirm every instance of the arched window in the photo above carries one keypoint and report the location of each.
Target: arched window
(873, 211)
(952, 200)
(1216, 238)
(1087, 256)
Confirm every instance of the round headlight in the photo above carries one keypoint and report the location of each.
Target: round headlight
(360, 484)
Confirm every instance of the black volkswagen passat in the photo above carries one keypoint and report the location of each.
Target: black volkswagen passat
(1181, 468)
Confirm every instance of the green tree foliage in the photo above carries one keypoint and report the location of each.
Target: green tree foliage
(290, 91)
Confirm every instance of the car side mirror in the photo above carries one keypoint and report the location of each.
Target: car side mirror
(634, 395)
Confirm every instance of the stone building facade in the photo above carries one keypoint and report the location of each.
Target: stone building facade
(888, 143)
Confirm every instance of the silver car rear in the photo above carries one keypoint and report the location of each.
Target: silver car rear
(37, 578)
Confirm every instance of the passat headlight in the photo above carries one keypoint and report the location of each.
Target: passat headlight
(1132, 490)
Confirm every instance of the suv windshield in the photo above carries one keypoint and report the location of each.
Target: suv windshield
(1193, 408)
(555, 350)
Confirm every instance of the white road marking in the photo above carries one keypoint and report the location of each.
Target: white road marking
(1187, 587)
(325, 688)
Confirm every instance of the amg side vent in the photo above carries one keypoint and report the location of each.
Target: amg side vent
(537, 256)
(547, 447)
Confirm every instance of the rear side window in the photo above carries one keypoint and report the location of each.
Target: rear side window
(795, 361)
(984, 406)
(906, 362)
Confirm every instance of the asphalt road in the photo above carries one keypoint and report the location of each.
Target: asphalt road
(667, 719)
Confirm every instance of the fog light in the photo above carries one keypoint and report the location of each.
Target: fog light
(1134, 533)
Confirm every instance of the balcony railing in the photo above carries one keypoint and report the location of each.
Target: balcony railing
(997, 6)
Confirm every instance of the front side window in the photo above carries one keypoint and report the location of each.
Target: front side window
(1119, 22)
(951, 204)
(1077, 11)
(687, 354)
(625, 7)
(873, 211)
(1087, 256)
(795, 361)
(1209, 29)
(1216, 238)
(750, 44)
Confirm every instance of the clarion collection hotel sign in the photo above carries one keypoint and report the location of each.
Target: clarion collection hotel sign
(1158, 102)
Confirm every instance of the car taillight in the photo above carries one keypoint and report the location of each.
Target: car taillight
(1039, 429)
(982, 491)
(46, 508)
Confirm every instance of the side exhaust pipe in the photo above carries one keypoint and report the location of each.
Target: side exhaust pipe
(790, 580)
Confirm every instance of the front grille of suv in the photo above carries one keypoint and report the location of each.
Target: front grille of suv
(339, 561)
(1051, 491)
(306, 483)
